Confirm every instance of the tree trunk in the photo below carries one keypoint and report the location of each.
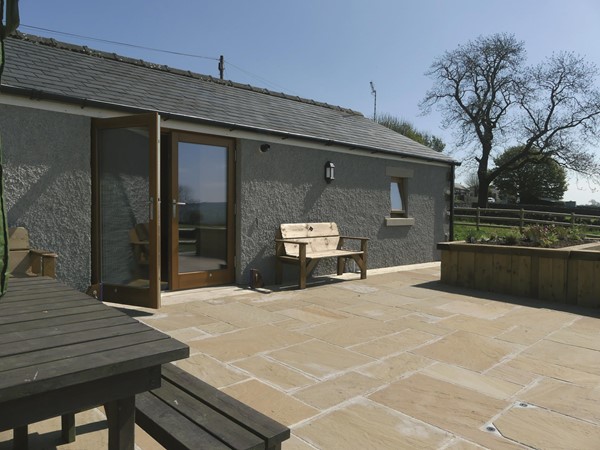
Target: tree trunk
(482, 199)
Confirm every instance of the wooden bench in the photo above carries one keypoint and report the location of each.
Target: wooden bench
(24, 261)
(187, 413)
(305, 244)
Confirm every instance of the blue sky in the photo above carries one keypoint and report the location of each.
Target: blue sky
(327, 50)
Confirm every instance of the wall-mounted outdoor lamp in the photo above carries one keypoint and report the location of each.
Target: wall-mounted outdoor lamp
(329, 171)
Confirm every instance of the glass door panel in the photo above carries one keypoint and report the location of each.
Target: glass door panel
(202, 229)
(126, 209)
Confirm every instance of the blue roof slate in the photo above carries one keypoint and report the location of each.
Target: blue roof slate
(44, 67)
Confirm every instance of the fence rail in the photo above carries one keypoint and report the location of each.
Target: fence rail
(497, 218)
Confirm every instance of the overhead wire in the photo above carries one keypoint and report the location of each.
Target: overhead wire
(141, 47)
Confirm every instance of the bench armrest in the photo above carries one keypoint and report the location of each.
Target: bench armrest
(363, 242)
(280, 249)
(43, 262)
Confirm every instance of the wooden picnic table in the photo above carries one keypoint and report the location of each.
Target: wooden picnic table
(63, 352)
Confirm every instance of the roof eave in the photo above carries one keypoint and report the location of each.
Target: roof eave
(36, 94)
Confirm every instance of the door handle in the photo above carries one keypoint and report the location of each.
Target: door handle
(175, 205)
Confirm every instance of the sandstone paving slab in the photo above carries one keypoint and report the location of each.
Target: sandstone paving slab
(293, 325)
(468, 350)
(247, 342)
(421, 322)
(366, 425)
(508, 371)
(331, 392)
(393, 344)
(461, 444)
(211, 371)
(350, 331)
(540, 318)
(525, 364)
(453, 408)
(170, 321)
(319, 359)
(390, 298)
(540, 428)
(480, 309)
(275, 304)
(523, 335)
(313, 314)
(566, 398)
(376, 311)
(189, 334)
(268, 370)
(241, 315)
(475, 325)
(390, 369)
(430, 306)
(271, 402)
(295, 443)
(217, 328)
(494, 387)
(568, 356)
(579, 337)
(408, 290)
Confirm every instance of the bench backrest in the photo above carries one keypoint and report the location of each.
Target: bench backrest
(321, 236)
(18, 245)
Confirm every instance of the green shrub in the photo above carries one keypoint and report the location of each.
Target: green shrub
(512, 237)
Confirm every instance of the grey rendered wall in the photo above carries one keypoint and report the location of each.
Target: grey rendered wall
(286, 185)
(47, 184)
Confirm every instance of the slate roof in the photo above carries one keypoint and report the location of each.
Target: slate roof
(44, 68)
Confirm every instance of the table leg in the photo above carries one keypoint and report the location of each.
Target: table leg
(120, 415)
(20, 438)
(68, 427)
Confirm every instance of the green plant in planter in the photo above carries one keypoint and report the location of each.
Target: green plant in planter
(512, 237)
(475, 236)
(541, 235)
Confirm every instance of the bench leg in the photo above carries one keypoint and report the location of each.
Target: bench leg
(341, 265)
(302, 276)
(278, 271)
(20, 438)
(68, 428)
(362, 263)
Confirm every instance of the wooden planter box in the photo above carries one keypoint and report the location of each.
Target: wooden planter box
(568, 275)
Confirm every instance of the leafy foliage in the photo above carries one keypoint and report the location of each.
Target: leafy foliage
(530, 180)
(407, 129)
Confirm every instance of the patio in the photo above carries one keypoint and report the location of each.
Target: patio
(394, 361)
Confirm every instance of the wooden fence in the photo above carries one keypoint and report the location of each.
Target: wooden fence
(519, 218)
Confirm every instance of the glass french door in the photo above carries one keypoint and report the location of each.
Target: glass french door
(201, 237)
(126, 209)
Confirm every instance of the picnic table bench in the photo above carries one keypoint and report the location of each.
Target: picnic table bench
(305, 244)
(187, 413)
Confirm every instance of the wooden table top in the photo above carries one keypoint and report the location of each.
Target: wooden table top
(52, 337)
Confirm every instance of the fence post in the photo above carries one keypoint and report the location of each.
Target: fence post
(521, 219)
(572, 220)
(478, 218)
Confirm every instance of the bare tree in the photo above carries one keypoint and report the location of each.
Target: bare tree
(550, 110)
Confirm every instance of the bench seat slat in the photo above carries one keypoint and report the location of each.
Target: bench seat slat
(172, 432)
(207, 418)
(268, 429)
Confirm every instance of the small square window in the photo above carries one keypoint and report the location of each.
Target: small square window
(398, 197)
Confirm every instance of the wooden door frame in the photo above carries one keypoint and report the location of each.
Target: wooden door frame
(134, 296)
(190, 280)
